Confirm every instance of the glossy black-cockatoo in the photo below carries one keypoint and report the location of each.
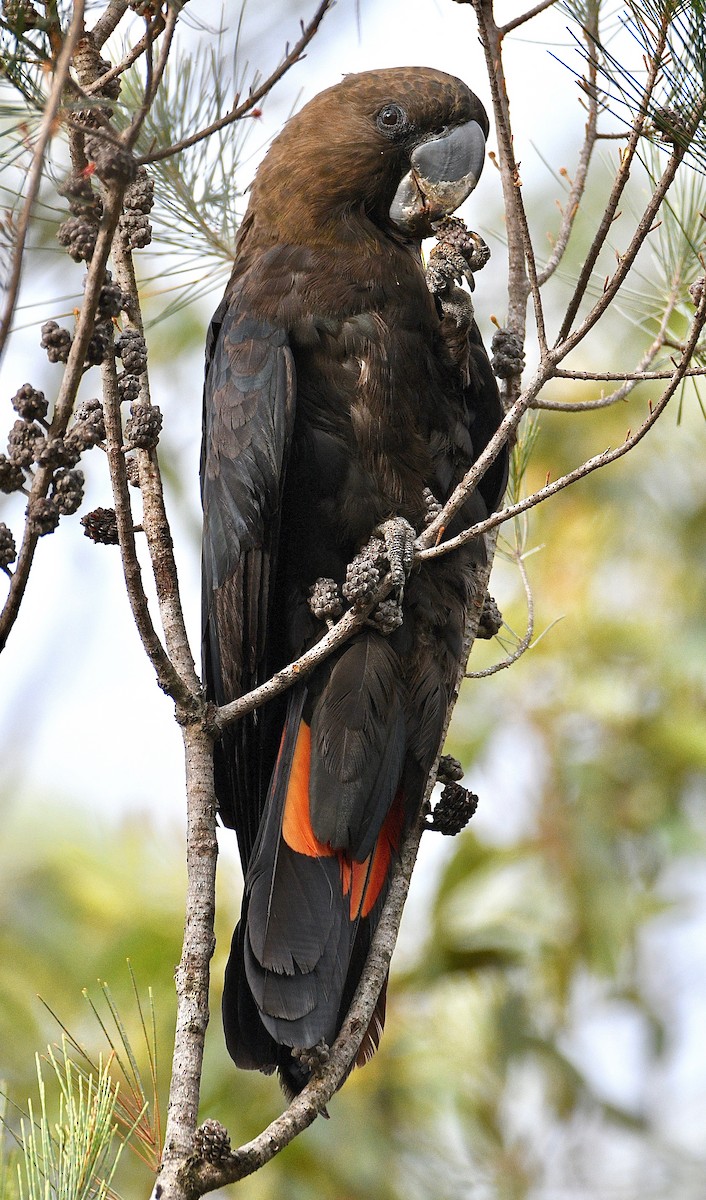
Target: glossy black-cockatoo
(339, 397)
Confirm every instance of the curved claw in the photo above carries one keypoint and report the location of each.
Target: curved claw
(458, 254)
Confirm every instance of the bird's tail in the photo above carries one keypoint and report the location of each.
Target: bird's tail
(309, 911)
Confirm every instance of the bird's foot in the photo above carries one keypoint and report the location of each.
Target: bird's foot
(457, 255)
(453, 810)
(491, 620)
(312, 1058)
(306, 1062)
(444, 270)
(449, 769)
(390, 549)
(325, 600)
(399, 538)
(508, 354)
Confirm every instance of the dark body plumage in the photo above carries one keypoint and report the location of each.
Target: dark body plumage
(336, 393)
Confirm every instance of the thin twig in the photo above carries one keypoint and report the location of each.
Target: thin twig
(611, 377)
(528, 16)
(518, 283)
(522, 270)
(586, 468)
(619, 183)
(526, 640)
(578, 184)
(73, 373)
(34, 176)
(155, 27)
(155, 520)
(240, 110)
(628, 379)
(154, 75)
(625, 261)
(108, 22)
(167, 677)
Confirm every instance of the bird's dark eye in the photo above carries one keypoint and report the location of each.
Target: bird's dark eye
(392, 119)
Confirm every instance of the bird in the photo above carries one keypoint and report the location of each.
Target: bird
(343, 402)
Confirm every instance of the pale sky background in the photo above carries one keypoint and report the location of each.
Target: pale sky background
(75, 673)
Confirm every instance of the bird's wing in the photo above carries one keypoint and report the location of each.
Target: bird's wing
(249, 401)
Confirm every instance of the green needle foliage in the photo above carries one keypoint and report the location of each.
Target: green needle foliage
(137, 1108)
(673, 31)
(76, 1156)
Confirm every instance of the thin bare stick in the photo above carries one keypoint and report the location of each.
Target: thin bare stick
(578, 184)
(154, 76)
(619, 183)
(611, 377)
(167, 677)
(518, 283)
(241, 110)
(108, 22)
(586, 468)
(626, 260)
(156, 522)
(528, 16)
(522, 272)
(73, 373)
(526, 640)
(628, 379)
(34, 176)
(155, 27)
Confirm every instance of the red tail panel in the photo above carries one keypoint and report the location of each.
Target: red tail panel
(361, 881)
(296, 823)
(366, 880)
